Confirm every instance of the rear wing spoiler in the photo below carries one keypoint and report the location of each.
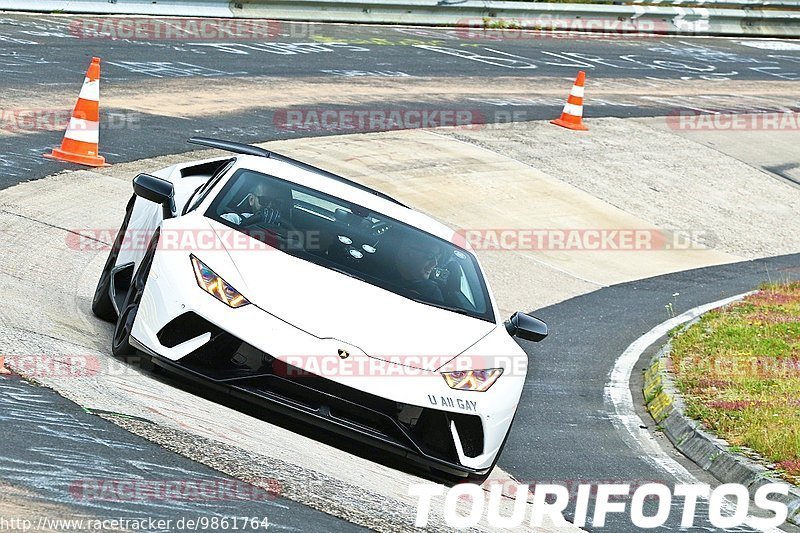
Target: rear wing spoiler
(248, 149)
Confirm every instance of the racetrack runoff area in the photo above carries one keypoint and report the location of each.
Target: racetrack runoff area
(547, 186)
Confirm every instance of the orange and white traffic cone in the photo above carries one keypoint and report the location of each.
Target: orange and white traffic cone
(81, 140)
(572, 116)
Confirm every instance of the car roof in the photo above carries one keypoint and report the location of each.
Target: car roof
(320, 180)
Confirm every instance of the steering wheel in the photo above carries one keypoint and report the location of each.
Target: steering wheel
(284, 231)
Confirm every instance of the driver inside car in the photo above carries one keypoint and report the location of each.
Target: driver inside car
(256, 203)
(415, 262)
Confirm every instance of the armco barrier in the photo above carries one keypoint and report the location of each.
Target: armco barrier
(666, 19)
(756, 4)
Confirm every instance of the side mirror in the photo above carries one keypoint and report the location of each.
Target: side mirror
(526, 327)
(156, 190)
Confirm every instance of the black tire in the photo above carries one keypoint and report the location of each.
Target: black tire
(101, 302)
(120, 343)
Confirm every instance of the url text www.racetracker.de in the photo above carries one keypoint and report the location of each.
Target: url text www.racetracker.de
(728, 504)
(187, 523)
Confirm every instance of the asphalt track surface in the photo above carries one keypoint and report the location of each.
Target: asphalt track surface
(98, 470)
(44, 55)
(563, 431)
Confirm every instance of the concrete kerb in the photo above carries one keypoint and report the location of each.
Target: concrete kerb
(709, 452)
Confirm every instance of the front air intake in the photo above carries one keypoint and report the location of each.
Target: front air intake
(185, 327)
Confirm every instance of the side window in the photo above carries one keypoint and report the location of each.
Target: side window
(202, 191)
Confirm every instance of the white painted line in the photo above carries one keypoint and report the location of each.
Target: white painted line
(617, 395)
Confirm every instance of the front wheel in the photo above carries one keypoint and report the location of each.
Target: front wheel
(120, 344)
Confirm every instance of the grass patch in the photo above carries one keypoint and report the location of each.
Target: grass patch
(738, 369)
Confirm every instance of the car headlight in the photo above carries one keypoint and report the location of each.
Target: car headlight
(209, 281)
(477, 380)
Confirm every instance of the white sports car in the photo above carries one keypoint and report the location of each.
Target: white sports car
(321, 298)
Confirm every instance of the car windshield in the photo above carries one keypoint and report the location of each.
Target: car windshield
(354, 241)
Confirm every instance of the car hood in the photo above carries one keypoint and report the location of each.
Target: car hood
(331, 305)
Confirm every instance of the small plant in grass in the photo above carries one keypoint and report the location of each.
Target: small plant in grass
(739, 371)
(499, 24)
(791, 470)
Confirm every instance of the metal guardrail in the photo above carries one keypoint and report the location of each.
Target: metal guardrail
(758, 4)
(505, 15)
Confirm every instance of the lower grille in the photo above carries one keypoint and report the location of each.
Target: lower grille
(225, 358)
